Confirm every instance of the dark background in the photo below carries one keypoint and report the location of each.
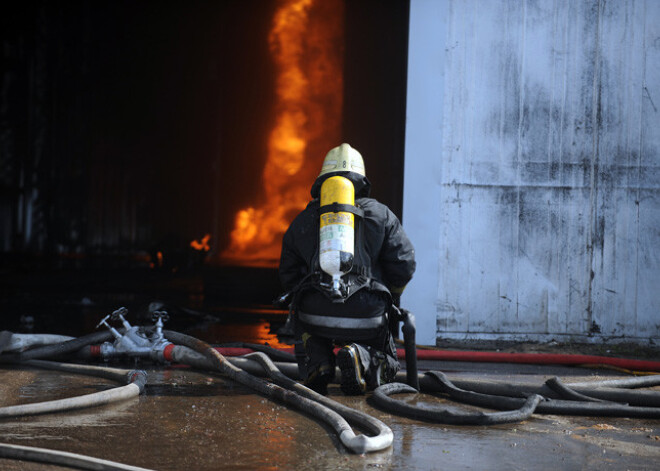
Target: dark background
(128, 127)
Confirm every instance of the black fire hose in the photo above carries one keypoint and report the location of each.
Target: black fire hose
(557, 406)
(504, 396)
(408, 329)
(566, 392)
(638, 382)
(605, 390)
(383, 435)
(273, 353)
(525, 408)
(508, 396)
(356, 444)
(564, 407)
(382, 438)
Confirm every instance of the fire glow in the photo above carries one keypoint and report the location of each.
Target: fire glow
(203, 244)
(306, 44)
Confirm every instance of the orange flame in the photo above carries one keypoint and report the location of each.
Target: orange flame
(306, 43)
(159, 260)
(203, 244)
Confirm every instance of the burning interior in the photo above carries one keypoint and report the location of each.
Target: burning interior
(152, 150)
(306, 44)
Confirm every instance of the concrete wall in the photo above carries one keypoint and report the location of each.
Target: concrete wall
(532, 179)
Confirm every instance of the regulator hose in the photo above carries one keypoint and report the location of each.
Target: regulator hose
(62, 458)
(136, 380)
(270, 390)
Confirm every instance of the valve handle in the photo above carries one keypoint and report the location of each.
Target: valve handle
(104, 321)
(119, 313)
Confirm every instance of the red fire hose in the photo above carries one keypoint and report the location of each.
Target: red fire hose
(538, 359)
(504, 357)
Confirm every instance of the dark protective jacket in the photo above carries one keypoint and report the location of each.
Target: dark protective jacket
(390, 252)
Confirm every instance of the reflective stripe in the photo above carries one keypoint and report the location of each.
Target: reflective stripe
(341, 322)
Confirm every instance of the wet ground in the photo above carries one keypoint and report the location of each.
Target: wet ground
(188, 420)
(194, 421)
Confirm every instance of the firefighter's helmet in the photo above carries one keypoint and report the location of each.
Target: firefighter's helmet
(343, 159)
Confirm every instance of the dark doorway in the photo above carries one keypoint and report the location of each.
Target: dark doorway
(129, 129)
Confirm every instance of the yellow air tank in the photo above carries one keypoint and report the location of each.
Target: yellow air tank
(337, 232)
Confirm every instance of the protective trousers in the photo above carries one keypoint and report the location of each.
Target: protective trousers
(316, 358)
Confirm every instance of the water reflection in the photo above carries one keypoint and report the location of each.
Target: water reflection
(259, 332)
(219, 325)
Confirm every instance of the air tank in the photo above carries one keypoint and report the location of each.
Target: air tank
(337, 230)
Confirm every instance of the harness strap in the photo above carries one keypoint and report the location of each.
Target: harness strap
(335, 322)
(344, 208)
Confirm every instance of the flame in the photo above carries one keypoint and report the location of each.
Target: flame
(203, 244)
(306, 44)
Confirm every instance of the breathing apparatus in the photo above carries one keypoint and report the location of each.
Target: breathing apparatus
(337, 215)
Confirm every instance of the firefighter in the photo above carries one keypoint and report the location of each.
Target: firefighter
(350, 308)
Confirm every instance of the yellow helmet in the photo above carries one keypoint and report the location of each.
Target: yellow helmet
(343, 159)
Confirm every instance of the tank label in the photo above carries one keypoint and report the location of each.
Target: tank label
(336, 218)
(337, 237)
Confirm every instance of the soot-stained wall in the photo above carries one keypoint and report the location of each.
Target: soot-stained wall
(545, 171)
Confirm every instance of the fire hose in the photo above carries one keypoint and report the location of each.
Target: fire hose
(136, 383)
(136, 380)
(314, 404)
(293, 397)
(383, 436)
(615, 400)
(58, 349)
(648, 400)
(62, 458)
(259, 363)
(607, 398)
(285, 389)
(525, 401)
